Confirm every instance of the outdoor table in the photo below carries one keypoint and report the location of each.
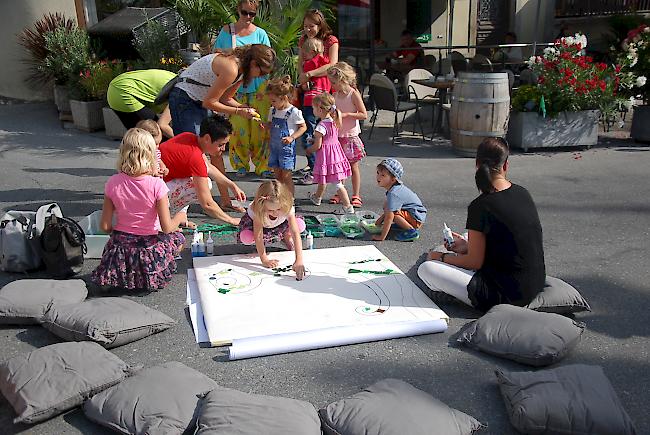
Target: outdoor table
(443, 88)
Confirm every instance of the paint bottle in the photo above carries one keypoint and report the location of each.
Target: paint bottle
(201, 247)
(447, 235)
(310, 240)
(209, 245)
(195, 244)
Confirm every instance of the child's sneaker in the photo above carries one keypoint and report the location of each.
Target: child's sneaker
(307, 180)
(315, 199)
(345, 210)
(407, 235)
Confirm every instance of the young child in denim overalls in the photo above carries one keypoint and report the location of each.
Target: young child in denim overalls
(286, 124)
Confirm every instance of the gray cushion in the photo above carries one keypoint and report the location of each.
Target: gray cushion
(26, 300)
(158, 400)
(55, 378)
(574, 399)
(393, 407)
(559, 297)
(522, 335)
(110, 322)
(226, 411)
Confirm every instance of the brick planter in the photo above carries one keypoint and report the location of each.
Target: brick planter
(87, 115)
(568, 129)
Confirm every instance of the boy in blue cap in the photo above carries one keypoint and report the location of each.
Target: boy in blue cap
(403, 209)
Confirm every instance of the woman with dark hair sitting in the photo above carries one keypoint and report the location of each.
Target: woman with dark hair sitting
(502, 260)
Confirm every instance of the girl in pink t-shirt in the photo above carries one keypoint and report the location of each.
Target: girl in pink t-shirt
(145, 238)
(349, 101)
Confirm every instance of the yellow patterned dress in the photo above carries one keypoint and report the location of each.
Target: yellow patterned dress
(249, 141)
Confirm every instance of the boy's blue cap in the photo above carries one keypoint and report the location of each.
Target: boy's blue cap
(394, 167)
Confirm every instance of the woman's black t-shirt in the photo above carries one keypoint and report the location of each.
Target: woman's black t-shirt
(513, 271)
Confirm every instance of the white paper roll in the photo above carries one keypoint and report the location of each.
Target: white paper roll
(329, 337)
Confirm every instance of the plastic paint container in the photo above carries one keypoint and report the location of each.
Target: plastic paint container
(352, 231)
(349, 219)
(332, 231)
(329, 220)
(367, 215)
(371, 227)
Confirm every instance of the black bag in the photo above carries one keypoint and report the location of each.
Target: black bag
(62, 246)
(163, 95)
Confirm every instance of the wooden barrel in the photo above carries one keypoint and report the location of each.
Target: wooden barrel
(480, 107)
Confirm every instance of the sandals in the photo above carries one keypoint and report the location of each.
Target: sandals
(356, 201)
(335, 200)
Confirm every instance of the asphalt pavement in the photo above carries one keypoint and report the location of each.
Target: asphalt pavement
(594, 209)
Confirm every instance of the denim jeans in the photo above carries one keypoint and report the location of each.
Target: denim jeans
(310, 121)
(187, 114)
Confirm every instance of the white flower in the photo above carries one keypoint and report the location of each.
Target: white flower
(646, 30)
(531, 60)
(640, 81)
(628, 103)
(550, 52)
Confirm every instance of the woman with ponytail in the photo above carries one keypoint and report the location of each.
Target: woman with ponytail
(502, 260)
(211, 83)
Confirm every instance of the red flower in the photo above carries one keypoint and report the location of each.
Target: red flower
(617, 68)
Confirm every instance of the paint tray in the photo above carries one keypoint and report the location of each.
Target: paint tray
(352, 231)
(367, 215)
(329, 220)
(332, 231)
(316, 230)
(310, 220)
(369, 225)
(349, 219)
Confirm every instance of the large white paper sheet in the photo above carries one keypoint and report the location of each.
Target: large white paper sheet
(354, 291)
(194, 307)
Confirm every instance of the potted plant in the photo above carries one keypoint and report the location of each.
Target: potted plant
(635, 61)
(33, 40)
(200, 17)
(571, 95)
(89, 94)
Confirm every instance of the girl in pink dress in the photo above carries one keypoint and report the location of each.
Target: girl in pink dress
(332, 166)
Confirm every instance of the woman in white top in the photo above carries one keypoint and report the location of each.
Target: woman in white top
(210, 83)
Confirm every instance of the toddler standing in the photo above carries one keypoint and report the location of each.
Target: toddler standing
(286, 124)
(140, 251)
(312, 53)
(349, 101)
(271, 216)
(331, 165)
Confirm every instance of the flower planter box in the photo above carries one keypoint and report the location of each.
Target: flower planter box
(87, 115)
(568, 129)
(641, 124)
(114, 127)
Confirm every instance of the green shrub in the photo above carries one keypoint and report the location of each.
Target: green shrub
(68, 53)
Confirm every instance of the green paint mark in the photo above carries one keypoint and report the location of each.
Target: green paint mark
(223, 291)
(366, 309)
(373, 272)
(364, 261)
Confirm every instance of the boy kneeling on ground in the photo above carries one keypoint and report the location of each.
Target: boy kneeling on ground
(403, 209)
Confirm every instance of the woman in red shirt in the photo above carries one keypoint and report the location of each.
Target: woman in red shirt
(315, 26)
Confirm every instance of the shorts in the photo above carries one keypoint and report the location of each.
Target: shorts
(409, 218)
(283, 157)
(353, 148)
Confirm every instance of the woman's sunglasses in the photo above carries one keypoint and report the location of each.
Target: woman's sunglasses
(248, 13)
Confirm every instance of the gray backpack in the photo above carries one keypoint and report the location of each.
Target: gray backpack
(19, 235)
